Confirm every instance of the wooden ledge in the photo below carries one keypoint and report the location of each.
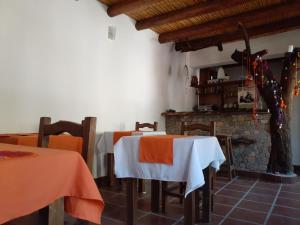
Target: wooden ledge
(179, 114)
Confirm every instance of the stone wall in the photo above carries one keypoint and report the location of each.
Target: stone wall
(250, 157)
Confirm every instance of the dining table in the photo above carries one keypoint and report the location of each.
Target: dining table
(190, 159)
(103, 164)
(31, 179)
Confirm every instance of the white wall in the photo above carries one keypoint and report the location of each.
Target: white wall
(56, 60)
(181, 96)
(276, 45)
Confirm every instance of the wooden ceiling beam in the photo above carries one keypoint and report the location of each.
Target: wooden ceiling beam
(191, 11)
(290, 7)
(129, 5)
(258, 31)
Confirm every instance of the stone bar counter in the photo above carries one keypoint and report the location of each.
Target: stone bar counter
(251, 139)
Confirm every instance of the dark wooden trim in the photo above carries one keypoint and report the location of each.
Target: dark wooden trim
(188, 12)
(254, 32)
(129, 5)
(286, 10)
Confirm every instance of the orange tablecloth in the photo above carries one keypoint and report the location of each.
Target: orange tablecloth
(157, 149)
(31, 183)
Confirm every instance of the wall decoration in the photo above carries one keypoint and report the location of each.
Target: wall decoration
(246, 97)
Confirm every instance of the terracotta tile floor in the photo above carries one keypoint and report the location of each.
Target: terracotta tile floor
(242, 201)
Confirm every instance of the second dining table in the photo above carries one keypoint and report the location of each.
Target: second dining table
(190, 156)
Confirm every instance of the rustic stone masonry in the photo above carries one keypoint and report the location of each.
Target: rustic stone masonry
(247, 156)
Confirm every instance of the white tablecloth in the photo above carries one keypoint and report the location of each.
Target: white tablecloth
(104, 145)
(191, 156)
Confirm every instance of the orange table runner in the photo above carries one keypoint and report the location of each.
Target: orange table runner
(157, 149)
(28, 184)
(29, 140)
(66, 142)
(119, 134)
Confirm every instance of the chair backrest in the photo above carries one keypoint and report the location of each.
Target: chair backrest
(139, 126)
(86, 130)
(210, 129)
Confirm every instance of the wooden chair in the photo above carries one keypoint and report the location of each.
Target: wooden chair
(53, 214)
(168, 191)
(86, 130)
(139, 126)
(225, 143)
(110, 158)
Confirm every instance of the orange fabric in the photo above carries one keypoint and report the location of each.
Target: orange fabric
(19, 139)
(31, 183)
(30, 140)
(66, 142)
(119, 134)
(8, 139)
(157, 149)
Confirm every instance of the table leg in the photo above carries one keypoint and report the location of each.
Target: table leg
(110, 169)
(189, 209)
(52, 214)
(206, 202)
(155, 195)
(131, 200)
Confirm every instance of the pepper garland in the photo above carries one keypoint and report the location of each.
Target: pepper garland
(267, 80)
(296, 88)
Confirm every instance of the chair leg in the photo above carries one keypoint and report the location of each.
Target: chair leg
(197, 205)
(141, 186)
(213, 175)
(228, 164)
(231, 157)
(181, 191)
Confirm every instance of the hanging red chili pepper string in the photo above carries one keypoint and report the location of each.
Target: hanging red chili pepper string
(296, 88)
